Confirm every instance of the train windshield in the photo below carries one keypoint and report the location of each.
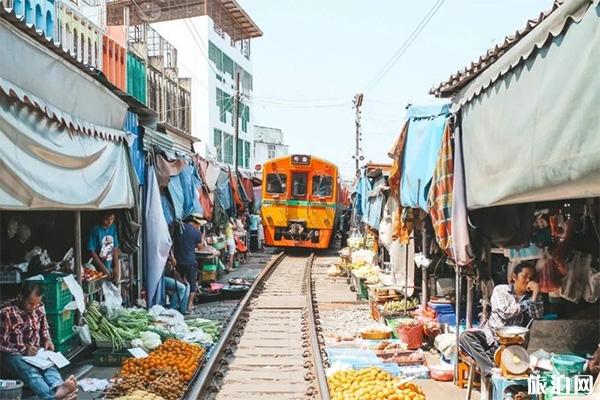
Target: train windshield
(276, 183)
(322, 185)
(299, 185)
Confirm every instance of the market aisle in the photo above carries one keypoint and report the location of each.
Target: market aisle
(342, 316)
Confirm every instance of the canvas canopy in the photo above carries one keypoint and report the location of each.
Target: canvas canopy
(44, 165)
(531, 130)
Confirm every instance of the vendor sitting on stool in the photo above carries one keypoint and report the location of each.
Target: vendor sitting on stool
(513, 304)
(23, 331)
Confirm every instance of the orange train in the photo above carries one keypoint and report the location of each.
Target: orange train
(301, 201)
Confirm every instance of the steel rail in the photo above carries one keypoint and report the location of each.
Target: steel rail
(202, 382)
(314, 338)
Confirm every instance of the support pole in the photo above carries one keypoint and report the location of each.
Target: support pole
(78, 256)
(236, 121)
(406, 277)
(358, 99)
(469, 313)
(457, 305)
(424, 269)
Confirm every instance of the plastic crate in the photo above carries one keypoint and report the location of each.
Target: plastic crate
(363, 289)
(68, 345)
(110, 358)
(56, 293)
(61, 324)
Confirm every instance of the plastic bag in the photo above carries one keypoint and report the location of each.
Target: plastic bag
(548, 273)
(84, 334)
(578, 271)
(591, 291)
(112, 298)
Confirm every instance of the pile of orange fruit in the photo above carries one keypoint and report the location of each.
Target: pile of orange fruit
(182, 356)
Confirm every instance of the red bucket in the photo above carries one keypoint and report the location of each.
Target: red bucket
(412, 335)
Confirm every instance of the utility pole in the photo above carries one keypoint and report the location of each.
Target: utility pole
(358, 99)
(236, 121)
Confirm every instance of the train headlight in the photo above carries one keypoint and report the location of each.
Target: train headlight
(326, 220)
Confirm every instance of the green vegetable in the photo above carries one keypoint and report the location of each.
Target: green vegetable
(103, 330)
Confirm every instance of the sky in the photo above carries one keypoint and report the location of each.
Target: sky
(315, 55)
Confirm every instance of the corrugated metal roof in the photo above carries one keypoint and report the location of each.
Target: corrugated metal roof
(461, 78)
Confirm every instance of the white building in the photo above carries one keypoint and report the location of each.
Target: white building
(209, 55)
(268, 143)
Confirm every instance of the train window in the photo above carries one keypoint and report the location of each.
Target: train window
(299, 185)
(322, 185)
(276, 183)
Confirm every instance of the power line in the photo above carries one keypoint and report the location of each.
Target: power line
(406, 45)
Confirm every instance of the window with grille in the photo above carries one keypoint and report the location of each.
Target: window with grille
(218, 143)
(227, 148)
(271, 150)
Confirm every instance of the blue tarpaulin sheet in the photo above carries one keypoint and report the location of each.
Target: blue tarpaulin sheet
(135, 148)
(423, 143)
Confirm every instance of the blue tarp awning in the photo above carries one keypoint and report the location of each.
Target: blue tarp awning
(423, 142)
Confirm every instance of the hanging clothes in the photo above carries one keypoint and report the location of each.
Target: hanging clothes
(396, 153)
(440, 194)
(158, 241)
(423, 142)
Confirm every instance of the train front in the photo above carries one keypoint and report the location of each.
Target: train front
(299, 201)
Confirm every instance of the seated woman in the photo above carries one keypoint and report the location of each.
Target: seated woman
(513, 304)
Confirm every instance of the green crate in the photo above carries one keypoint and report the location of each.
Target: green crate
(61, 324)
(110, 358)
(56, 293)
(68, 345)
(363, 290)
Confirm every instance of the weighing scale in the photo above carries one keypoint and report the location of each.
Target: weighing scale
(511, 357)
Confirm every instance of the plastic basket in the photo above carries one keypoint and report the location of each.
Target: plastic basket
(109, 358)
(61, 324)
(411, 335)
(568, 365)
(11, 392)
(56, 293)
(66, 346)
(209, 267)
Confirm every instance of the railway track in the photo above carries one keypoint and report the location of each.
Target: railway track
(271, 348)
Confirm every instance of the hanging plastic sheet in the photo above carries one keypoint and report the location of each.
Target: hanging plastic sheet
(223, 192)
(158, 241)
(136, 150)
(176, 192)
(425, 132)
(168, 209)
(190, 181)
